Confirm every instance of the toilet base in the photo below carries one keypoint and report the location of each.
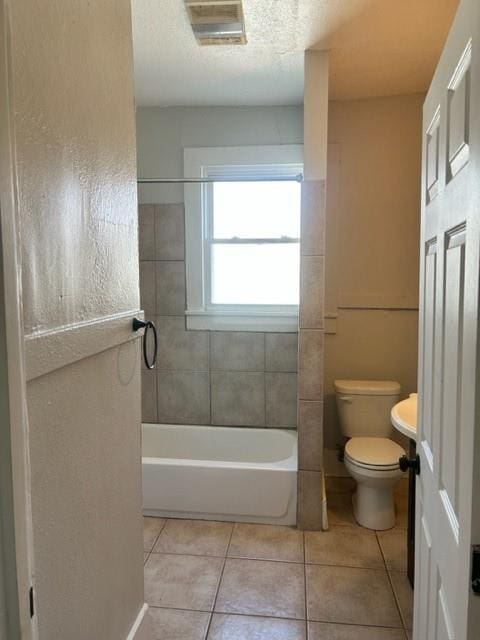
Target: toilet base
(374, 508)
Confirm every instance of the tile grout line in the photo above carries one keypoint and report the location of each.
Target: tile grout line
(262, 616)
(158, 536)
(272, 560)
(265, 379)
(305, 584)
(209, 365)
(397, 604)
(397, 598)
(219, 581)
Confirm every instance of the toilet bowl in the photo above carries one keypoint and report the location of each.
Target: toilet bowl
(371, 457)
(373, 464)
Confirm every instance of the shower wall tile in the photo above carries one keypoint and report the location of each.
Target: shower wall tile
(237, 351)
(238, 398)
(232, 372)
(169, 232)
(312, 220)
(147, 287)
(310, 374)
(179, 348)
(170, 289)
(183, 397)
(281, 352)
(310, 435)
(311, 354)
(281, 399)
(149, 396)
(310, 500)
(146, 231)
(312, 292)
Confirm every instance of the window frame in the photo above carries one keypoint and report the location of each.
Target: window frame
(255, 161)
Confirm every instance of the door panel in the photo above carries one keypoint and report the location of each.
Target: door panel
(450, 263)
(73, 126)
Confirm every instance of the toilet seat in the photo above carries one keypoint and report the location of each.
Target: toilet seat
(377, 454)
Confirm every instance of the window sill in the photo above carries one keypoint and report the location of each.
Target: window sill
(234, 321)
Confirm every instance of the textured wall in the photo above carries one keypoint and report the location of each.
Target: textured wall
(206, 377)
(73, 106)
(373, 213)
(76, 183)
(86, 486)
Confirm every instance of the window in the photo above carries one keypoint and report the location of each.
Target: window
(243, 238)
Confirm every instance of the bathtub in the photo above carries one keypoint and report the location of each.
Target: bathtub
(220, 473)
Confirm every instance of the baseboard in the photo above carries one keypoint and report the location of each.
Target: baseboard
(141, 627)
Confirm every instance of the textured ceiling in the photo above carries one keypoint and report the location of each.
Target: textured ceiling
(378, 47)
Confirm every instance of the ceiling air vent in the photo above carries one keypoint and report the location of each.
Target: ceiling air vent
(217, 21)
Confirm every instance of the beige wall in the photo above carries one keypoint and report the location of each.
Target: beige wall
(373, 212)
(73, 108)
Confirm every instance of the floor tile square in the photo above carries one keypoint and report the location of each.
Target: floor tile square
(196, 537)
(173, 624)
(350, 595)
(257, 587)
(394, 548)
(348, 546)
(326, 631)
(404, 594)
(266, 542)
(151, 530)
(182, 582)
(231, 627)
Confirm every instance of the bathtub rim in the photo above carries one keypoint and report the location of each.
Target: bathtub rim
(289, 463)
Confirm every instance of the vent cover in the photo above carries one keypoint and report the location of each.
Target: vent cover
(217, 21)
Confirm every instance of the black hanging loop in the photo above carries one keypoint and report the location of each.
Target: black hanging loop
(140, 324)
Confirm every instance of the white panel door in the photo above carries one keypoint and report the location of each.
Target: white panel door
(447, 522)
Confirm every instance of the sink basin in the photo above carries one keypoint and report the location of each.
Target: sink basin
(404, 416)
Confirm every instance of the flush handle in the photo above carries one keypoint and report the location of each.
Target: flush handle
(410, 463)
(345, 399)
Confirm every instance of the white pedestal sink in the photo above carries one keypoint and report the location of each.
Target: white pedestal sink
(404, 416)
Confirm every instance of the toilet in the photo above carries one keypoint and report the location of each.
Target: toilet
(371, 457)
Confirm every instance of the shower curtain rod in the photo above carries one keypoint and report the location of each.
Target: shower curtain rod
(297, 178)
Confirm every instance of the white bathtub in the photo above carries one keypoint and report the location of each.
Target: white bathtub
(220, 473)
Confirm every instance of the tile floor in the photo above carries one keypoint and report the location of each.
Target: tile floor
(224, 581)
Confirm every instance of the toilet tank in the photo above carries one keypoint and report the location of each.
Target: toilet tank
(364, 407)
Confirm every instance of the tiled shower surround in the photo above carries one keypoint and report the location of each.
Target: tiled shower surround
(206, 377)
(310, 358)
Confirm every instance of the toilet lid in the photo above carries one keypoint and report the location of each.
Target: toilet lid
(374, 452)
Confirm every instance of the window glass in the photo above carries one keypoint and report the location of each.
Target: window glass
(256, 210)
(255, 274)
